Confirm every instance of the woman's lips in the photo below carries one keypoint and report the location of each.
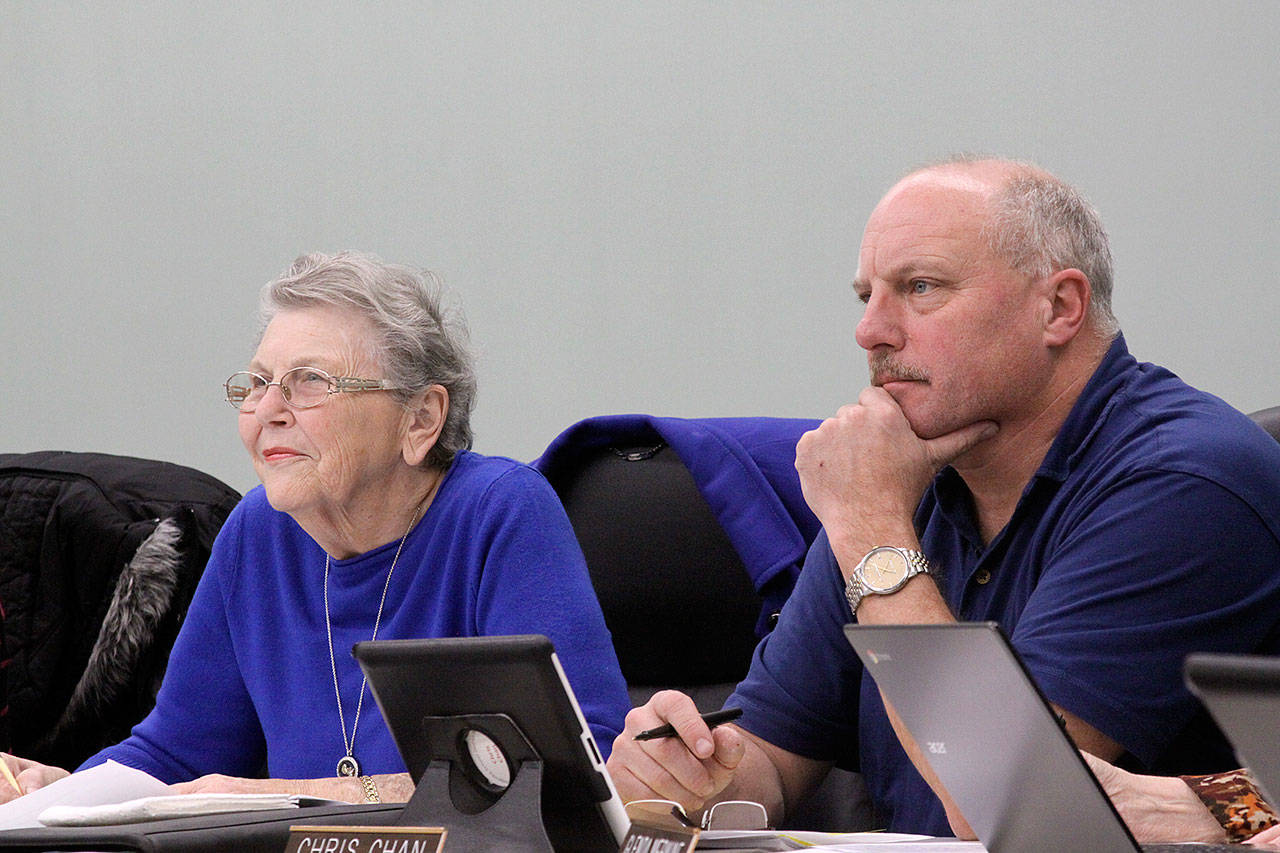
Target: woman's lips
(280, 454)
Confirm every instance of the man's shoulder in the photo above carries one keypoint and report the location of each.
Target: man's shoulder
(1160, 427)
(1158, 420)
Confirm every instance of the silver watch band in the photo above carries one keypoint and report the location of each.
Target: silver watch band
(855, 590)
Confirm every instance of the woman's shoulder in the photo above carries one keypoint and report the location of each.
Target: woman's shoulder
(477, 476)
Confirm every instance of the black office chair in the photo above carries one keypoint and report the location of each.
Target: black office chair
(99, 558)
(676, 593)
(1268, 419)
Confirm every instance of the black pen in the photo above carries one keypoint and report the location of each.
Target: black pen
(711, 718)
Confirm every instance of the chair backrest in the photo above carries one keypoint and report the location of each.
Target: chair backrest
(1268, 419)
(675, 594)
(99, 558)
(687, 582)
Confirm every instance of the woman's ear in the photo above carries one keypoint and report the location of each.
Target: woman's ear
(426, 412)
(1067, 306)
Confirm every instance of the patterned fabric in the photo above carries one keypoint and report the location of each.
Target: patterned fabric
(1234, 800)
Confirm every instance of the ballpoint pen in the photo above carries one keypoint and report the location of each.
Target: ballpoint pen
(711, 718)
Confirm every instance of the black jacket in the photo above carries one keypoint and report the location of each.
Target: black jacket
(99, 557)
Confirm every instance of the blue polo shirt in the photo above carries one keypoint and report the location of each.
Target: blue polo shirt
(1151, 530)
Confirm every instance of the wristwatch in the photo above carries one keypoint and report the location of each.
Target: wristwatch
(882, 571)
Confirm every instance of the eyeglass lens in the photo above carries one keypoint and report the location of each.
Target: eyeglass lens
(736, 814)
(664, 813)
(302, 388)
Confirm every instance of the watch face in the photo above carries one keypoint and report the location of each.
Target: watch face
(883, 569)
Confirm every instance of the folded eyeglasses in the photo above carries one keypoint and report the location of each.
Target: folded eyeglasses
(730, 814)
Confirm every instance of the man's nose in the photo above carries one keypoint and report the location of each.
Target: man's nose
(880, 324)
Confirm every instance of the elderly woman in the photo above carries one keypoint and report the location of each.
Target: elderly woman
(374, 520)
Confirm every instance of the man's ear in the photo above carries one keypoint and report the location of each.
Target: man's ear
(426, 412)
(1067, 297)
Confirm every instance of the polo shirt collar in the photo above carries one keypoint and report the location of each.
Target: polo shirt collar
(1100, 394)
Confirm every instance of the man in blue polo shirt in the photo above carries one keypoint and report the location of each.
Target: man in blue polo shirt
(1009, 462)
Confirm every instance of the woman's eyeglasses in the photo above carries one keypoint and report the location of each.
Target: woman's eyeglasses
(730, 814)
(301, 387)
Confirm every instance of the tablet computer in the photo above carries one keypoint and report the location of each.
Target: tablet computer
(517, 677)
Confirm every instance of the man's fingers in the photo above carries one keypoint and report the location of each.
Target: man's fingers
(678, 710)
(669, 772)
(730, 748)
(682, 767)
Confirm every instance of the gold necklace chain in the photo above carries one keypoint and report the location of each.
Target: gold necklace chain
(347, 765)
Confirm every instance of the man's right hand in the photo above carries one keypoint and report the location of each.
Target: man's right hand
(691, 768)
(31, 776)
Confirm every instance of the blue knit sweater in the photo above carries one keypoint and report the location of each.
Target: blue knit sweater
(249, 683)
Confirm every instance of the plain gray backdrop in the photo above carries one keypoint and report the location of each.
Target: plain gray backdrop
(649, 207)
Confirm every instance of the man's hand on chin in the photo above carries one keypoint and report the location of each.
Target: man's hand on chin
(866, 462)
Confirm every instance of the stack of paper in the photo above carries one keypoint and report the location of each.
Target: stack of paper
(112, 793)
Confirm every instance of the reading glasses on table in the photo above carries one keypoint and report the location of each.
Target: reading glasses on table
(301, 387)
(726, 815)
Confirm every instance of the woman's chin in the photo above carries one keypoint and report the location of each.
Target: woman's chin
(287, 495)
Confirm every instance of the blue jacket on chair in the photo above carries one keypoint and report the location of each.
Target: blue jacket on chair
(743, 467)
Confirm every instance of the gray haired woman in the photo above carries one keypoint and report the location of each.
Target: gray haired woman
(374, 520)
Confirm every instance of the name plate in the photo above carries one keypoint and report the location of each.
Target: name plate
(365, 839)
(643, 838)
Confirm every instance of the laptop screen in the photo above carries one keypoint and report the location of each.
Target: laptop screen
(991, 737)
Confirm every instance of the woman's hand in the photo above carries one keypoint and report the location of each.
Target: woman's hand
(1268, 839)
(30, 776)
(392, 787)
(1157, 808)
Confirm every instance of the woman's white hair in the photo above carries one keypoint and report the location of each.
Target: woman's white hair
(418, 342)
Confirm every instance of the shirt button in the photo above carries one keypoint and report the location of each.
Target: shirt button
(982, 578)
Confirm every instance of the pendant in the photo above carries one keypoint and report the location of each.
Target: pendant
(348, 766)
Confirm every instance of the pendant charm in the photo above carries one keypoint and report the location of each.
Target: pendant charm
(348, 766)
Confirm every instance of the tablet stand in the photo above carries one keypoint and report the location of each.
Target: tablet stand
(454, 792)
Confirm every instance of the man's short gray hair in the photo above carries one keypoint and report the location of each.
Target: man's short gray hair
(1040, 224)
(418, 342)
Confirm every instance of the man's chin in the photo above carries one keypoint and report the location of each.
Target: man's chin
(926, 427)
(922, 424)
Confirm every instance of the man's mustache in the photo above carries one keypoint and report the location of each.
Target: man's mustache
(884, 367)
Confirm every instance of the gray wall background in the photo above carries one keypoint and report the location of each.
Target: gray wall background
(640, 206)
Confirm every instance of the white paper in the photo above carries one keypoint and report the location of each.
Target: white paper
(106, 783)
(931, 845)
(112, 793)
(824, 842)
(170, 806)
